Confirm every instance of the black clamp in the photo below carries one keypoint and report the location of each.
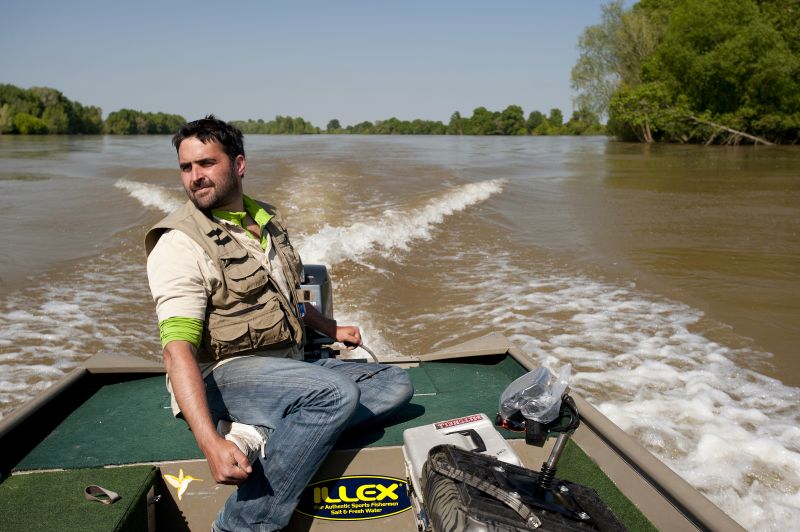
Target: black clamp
(536, 433)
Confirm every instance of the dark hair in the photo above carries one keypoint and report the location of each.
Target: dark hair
(211, 128)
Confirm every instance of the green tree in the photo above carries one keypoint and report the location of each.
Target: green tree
(56, 119)
(362, 128)
(611, 53)
(724, 56)
(122, 122)
(583, 122)
(694, 70)
(132, 122)
(56, 111)
(511, 121)
(456, 124)
(6, 119)
(482, 122)
(27, 124)
(544, 129)
(280, 125)
(535, 119)
(333, 126)
(427, 127)
(555, 118)
(784, 16)
(643, 113)
(90, 118)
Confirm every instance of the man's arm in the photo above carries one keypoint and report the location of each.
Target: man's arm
(347, 334)
(227, 463)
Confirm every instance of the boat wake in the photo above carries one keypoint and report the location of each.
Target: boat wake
(391, 231)
(48, 329)
(152, 196)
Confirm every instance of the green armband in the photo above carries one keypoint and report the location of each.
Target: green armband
(177, 328)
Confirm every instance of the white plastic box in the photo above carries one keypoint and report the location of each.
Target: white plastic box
(473, 433)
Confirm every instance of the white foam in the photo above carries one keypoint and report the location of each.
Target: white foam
(151, 195)
(102, 307)
(394, 230)
(372, 333)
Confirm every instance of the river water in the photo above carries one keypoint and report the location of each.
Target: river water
(668, 276)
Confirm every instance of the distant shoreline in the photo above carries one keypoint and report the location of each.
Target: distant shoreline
(46, 111)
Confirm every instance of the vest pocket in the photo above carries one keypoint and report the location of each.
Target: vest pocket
(227, 339)
(270, 329)
(253, 328)
(243, 274)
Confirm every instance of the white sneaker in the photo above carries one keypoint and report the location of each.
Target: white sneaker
(247, 438)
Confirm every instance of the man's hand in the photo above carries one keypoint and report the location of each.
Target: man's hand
(227, 463)
(349, 335)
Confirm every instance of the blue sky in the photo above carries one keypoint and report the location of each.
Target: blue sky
(351, 60)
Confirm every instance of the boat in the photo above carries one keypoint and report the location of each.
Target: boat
(108, 423)
(101, 450)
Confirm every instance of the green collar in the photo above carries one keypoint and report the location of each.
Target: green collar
(256, 211)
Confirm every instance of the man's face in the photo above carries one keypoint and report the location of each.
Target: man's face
(209, 178)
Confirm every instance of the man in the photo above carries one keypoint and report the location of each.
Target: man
(224, 276)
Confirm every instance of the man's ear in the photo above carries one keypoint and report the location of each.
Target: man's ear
(240, 164)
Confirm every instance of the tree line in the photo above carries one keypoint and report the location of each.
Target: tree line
(710, 71)
(510, 121)
(42, 110)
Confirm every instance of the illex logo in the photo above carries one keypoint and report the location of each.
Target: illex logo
(354, 498)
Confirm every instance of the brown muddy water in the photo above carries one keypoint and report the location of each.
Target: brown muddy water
(668, 276)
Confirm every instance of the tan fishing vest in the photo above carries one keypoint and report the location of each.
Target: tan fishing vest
(248, 312)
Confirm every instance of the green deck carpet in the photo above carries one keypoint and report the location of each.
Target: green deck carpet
(576, 466)
(445, 390)
(123, 423)
(131, 422)
(54, 500)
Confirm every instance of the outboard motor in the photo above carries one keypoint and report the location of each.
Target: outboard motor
(317, 290)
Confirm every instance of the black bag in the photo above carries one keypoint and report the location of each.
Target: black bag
(465, 491)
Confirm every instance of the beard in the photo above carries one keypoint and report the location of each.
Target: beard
(214, 195)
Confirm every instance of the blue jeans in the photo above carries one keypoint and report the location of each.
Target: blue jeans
(303, 407)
